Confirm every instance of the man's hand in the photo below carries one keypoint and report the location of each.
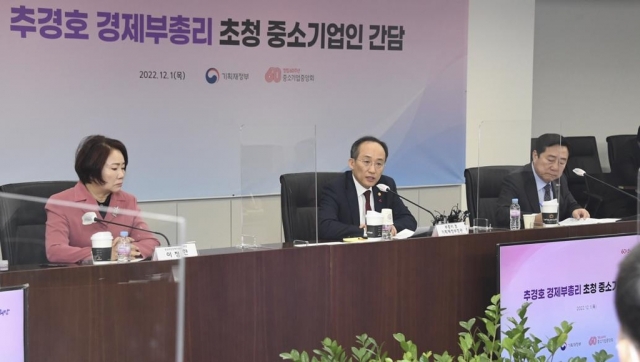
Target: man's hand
(580, 214)
(538, 219)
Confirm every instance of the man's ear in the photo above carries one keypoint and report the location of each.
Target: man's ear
(534, 155)
(352, 163)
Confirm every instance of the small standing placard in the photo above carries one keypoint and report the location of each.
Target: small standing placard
(457, 228)
(175, 252)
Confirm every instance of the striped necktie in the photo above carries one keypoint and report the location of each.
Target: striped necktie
(547, 192)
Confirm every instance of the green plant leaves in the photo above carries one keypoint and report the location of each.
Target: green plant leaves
(601, 356)
(477, 343)
(468, 325)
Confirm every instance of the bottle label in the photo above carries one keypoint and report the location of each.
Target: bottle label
(515, 213)
(124, 249)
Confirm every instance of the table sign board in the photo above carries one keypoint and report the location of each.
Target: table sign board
(457, 228)
(175, 252)
(13, 323)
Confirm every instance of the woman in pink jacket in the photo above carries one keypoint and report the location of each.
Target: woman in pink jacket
(101, 165)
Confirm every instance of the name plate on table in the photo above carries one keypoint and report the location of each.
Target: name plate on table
(175, 252)
(457, 228)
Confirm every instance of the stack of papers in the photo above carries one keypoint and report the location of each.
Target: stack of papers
(571, 221)
(406, 233)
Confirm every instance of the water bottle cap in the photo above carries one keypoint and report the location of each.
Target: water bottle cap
(124, 234)
(514, 201)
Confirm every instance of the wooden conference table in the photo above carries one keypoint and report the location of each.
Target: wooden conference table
(253, 305)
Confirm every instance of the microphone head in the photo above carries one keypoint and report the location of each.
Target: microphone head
(579, 171)
(383, 187)
(89, 218)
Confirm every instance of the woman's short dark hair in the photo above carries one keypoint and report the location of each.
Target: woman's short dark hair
(92, 154)
(627, 296)
(551, 139)
(356, 145)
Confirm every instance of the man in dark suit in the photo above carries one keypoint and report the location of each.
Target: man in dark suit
(538, 181)
(343, 204)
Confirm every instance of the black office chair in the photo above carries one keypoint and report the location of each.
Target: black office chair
(584, 155)
(483, 186)
(609, 203)
(22, 223)
(618, 145)
(299, 198)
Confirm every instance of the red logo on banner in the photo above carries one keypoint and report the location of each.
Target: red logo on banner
(274, 74)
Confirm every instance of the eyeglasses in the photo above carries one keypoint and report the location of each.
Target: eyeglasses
(367, 163)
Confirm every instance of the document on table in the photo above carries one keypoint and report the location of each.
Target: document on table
(406, 233)
(316, 244)
(571, 221)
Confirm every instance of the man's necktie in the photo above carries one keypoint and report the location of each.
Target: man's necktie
(367, 205)
(547, 192)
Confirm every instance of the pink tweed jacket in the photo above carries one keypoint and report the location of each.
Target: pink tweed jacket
(69, 241)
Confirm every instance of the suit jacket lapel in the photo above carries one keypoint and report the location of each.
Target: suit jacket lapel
(84, 198)
(378, 198)
(531, 190)
(116, 204)
(352, 199)
(554, 189)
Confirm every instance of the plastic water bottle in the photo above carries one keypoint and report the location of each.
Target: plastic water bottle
(124, 247)
(514, 212)
(387, 223)
(386, 232)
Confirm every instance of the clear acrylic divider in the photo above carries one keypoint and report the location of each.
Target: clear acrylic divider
(501, 145)
(637, 195)
(553, 165)
(106, 310)
(268, 152)
(505, 147)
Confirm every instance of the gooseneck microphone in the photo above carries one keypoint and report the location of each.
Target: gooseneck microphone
(91, 218)
(385, 188)
(580, 172)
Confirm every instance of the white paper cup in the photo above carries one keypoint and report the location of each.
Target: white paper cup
(387, 216)
(529, 220)
(101, 247)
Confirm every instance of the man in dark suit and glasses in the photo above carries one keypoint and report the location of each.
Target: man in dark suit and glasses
(344, 201)
(539, 181)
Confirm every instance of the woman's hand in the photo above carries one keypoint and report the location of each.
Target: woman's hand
(114, 248)
(135, 252)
